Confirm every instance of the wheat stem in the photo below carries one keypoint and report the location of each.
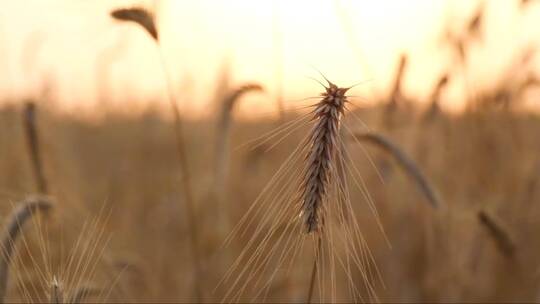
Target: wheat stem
(314, 269)
(29, 119)
(186, 178)
(57, 292)
(12, 231)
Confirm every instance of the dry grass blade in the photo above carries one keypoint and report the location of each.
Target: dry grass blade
(498, 232)
(13, 229)
(29, 118)
(408, 164)
(140, 16)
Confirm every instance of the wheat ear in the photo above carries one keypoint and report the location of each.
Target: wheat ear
(29, 119)
(436, 96)
(498, 232)
(12, 231)
(138, 15)
(223, 132)
(221, 154)
(147, 21)
(324, 145)
(408, 164)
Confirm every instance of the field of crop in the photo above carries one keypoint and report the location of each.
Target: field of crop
(398, 201)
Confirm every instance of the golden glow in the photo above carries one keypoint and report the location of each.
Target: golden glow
(348, 40)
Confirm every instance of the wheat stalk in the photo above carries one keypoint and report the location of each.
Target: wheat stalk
(12, 231)
(147, 21)
(408, 164)
(498, 232)
(29, 119)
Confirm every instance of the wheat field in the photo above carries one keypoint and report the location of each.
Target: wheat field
(397, 201)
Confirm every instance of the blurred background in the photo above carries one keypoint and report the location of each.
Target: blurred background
(84, 106)
(76, 52)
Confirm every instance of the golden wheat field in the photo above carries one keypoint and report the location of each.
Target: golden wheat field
(425, 189)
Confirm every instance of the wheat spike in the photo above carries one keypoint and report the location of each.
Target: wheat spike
(223, 129)
(498, 232)
(323, 142)
(140, 16)
(408, 164)
(12, 231)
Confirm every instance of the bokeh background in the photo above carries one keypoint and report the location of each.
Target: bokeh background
(454, 84)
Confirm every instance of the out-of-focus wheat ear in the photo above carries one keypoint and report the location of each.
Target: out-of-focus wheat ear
(140, 16)
(57, 292)
(32, 138)
(408, 164)
(221, 156)
(146, 20)
(475, 23)
(12, 231)
(223, 132)
(398, 81)
(82, 293)
(435, 97)
(395, 99)
(499, 232)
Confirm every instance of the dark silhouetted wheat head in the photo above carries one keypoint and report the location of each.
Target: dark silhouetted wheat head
(140, 16)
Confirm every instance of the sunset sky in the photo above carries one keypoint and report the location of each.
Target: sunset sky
(85, 54)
